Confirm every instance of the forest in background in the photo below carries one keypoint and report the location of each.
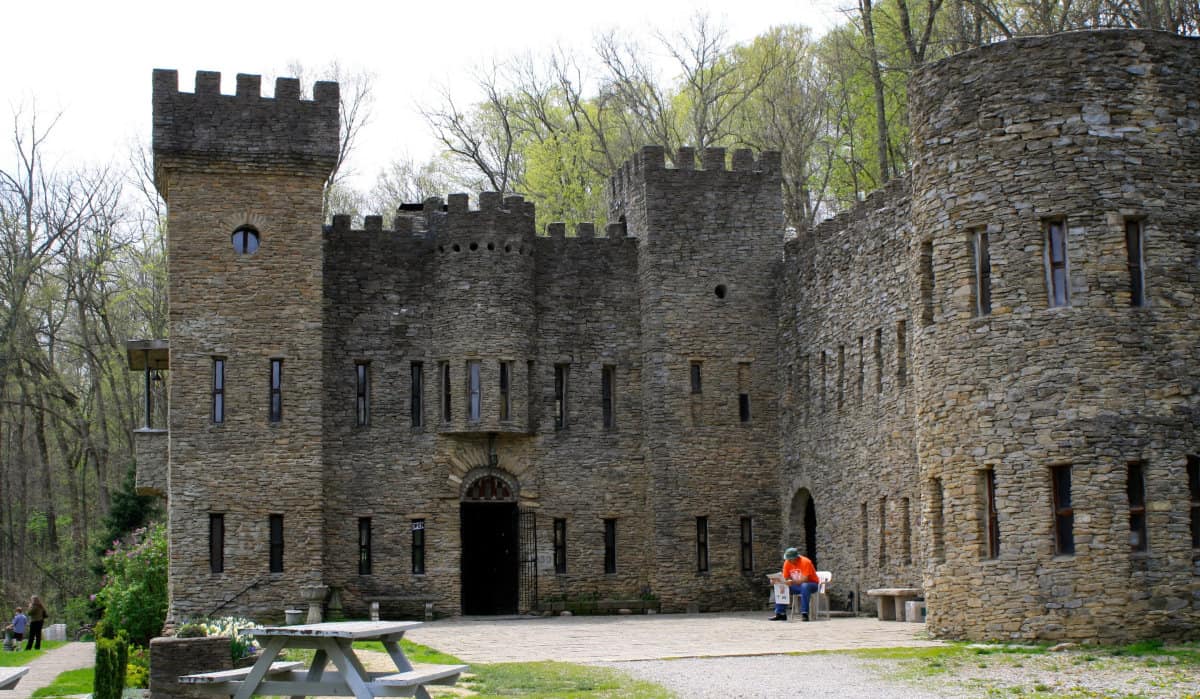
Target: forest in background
(82, 250)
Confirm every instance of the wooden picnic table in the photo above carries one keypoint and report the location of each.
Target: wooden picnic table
(333, 642)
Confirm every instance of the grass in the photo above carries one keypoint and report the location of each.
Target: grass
(69, 683)
(22, 657)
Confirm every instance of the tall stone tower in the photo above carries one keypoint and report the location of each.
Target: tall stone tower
(242, 176)
(706, 277)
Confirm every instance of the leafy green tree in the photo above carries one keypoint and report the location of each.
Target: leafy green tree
(135, 584)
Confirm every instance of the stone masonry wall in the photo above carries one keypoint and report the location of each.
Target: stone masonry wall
(846, 424)
(1093, 129)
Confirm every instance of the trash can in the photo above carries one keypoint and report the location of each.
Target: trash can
(293, 616)
(915, 611)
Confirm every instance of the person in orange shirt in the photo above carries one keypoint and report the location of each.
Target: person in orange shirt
(802, 580)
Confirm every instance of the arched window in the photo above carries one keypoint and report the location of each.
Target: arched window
(245, 240)
(489, 489)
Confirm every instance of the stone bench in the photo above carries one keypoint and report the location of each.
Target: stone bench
(892, 599)
(10, 676)
(374, 602)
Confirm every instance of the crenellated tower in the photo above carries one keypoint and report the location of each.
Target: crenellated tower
(242, 176)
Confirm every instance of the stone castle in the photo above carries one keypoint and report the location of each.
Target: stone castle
(981, 381)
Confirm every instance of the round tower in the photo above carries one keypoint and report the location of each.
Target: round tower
(1056, 194)
(485, 315)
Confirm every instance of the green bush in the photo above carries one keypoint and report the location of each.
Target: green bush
(137, 671)
(111, 659)
(191, 630)
(135, 584)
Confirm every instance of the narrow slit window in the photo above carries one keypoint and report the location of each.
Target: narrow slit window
(991, 540)
(927, 282)
(444, 374)
(863, 550)
(983, 273)
(744, 380)
(824, 380)
(276, 407)
(216, 542)
(607, 384)
(416, 397)
(697, 382)
(747, 544)
(841, 376)
(474, 391)
(1135, 488)
(276, 547)
(702, 544)
(505, 390)
(418, 546)
(561, 374)
(364, 545)
(362, 383)
(905, 531)
(883, 532)
(610, 546)
(218, 390)
(560, 546)
(1134, 249)
(1193, 473)
(937, 519)
(1057, 277)
(878, 361)
(902, 353)
(1064, 512)
(862, 368)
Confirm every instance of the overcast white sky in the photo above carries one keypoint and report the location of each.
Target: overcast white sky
(92, 61)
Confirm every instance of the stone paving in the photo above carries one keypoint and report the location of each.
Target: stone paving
(43, 670)
(584, 639)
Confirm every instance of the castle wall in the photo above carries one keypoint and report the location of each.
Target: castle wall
(847, 411)
(1095, 129)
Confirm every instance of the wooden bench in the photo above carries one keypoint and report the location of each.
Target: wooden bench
(892, 599)
(426, 674)
(10, 676)
(225, 676)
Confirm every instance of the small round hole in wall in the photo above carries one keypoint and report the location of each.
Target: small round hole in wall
(245, 240)
(491, 246)
(720, 291)
(455, 248)
(474, 247)
(507, 248)
(441, 248)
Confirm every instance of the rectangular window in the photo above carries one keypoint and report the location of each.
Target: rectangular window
(610, 546)
(276, 535)
(560, 396)
(902, 353)
(505, 390)
(905, 531)
(418, 547)
(991, 540)
(863, 550)
(1135, 488)
(1064, 514)
(1137, 279)
(824, 380)
(744, 407)
(983, 273)
(878, 360)
(841, 377)
(416, 398)
(362, 407)
(883, 533)
(1193, 471)
(560, 546)
(474, 391)
(862, 368)
(937, 520)
(364, 545)
(927, 282)
(444, 377)
(276, 409)
(607, 382)
(747, 544)
(744, 382)
(1057, 281)
(216, 542)
(697, 384)
(218, 390)
(702, 544)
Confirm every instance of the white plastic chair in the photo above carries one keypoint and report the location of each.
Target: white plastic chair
(818, 602)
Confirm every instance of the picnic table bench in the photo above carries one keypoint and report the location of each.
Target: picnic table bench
(892, 599)
(10, 676)
(333, 642)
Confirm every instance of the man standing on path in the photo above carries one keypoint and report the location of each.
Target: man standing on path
(802, 579)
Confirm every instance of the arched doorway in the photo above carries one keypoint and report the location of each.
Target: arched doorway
(802, 524)
(490, 546)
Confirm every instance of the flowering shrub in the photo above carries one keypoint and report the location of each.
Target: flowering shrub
(134, 595)
(241, 643)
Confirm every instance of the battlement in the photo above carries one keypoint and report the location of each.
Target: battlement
(652, 159)
(206, 128)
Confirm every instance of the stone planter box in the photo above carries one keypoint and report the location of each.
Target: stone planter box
(603, 606)
(171, 657)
